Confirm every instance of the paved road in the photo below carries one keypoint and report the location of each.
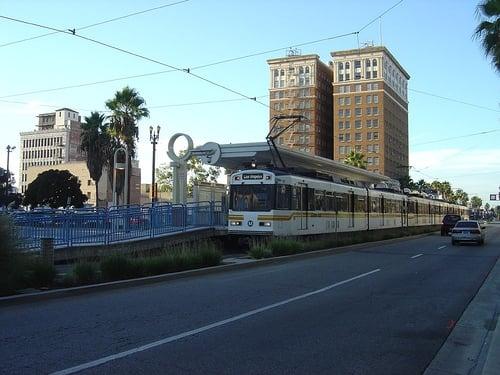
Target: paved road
(384, 309)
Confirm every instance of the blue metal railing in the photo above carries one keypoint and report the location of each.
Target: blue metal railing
(116, 224)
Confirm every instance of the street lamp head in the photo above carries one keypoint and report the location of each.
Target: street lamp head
(150, 133)
(158, 130)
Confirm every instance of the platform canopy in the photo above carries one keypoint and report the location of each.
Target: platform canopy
(237, 156)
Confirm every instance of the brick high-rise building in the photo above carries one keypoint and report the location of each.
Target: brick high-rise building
(370, 109)
(301, 85)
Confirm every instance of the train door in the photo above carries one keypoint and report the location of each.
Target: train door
(404, 213)
(338, 207)
(303, 206)
(351, 209)
(382, 211)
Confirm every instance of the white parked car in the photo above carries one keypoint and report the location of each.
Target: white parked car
(468, 231)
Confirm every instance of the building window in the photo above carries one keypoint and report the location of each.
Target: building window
(375, 123)
(347, 65)
(357, 87)
(375, 136)
(376, 148)
(375, 111)
(347, 113)
(341, 137)
(341, 125)
(347, 137)
(358, 148)
(341, 113)
(357, 63)
(357, 112)
(341, 66)
(347, 100)
(367, 62)
(341, 77)
(369, 136)
(374, 62)
(368, 75)
(374, 74)
(347, 125)
(347, 76)
(357, 124)
(358, 137)
(368, 124)
(369, 160)
(369, 148)
(357, 99)
(341, 101)
(376, 160)
(375, 99)
(342, 150)
(357, 75)
(368, 111)
(375, 86)
(368, 99)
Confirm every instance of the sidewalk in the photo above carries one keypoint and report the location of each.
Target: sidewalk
(473, 347)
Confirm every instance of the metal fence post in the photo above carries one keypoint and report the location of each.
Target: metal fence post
(47, 250)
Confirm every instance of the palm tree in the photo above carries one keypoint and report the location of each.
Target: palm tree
(356, 159)
(127, 109)
(489, 29)
(422, 185)
(95, 143)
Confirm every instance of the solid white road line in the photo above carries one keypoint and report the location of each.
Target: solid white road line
(441, 247)
(416, 256)
(166, 340)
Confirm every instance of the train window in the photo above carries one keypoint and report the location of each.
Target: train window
(342, 202)
(320, 200)
(296, 198)
(310, 199)
(252, 197)
(330, 201)
(283, 197)
(375, 204)
(359, 203)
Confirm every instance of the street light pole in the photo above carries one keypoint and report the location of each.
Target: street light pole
(9, 150)
(153, 137)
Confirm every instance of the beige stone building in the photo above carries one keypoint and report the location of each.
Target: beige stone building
(301, 85)
(370, 109)
(55, 141)
(87, 185)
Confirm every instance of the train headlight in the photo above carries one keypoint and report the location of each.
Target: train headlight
(264, 223)
(235, 223)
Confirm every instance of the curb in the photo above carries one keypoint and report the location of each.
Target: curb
(473, 347)
(86, 289)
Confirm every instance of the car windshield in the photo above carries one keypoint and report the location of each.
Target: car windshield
(451, 218)
(466, 224)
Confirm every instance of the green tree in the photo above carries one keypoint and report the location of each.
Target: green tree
(487, 207)
(488, 30)
(421, 185)
(95, 142)
(407, 182)
(356, 159)
(462, 197)
(164, 178)
(476, 202)
(54, 188)
(127, 109)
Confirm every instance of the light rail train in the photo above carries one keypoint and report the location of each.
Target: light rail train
(280, 203)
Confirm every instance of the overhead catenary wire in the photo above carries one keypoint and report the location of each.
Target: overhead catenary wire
(195, 67)
(187, 71)
(456, 137)
(97, 23)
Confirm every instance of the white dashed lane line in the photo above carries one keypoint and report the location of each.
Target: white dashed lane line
(416, 256)
(441, 247)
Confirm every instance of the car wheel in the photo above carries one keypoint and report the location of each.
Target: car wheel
(481, 242)
(442, 233)
(453, 242)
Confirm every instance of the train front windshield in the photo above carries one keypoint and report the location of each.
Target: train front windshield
(252, 197)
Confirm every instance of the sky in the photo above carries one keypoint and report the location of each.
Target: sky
(432, 40)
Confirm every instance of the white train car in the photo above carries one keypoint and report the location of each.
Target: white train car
(285, 204)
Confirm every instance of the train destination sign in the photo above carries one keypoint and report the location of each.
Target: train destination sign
(493, 197)
(253, 176)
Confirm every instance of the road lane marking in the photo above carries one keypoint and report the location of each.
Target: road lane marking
(441, 247)
(416, 256)
(101, 361)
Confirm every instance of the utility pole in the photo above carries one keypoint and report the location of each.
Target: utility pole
(153, 137)
(9, 150)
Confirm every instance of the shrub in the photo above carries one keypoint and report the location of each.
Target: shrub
(281, 247)
(259, 252)
(42, 274)
(210, 256)
(11, 261)
(85, 273)
(117, 267)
